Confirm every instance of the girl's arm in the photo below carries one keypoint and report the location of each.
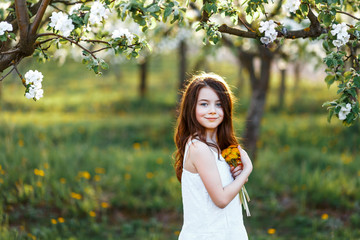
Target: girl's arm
(203, 160)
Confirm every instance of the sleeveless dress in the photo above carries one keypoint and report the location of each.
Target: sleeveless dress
(203, 220)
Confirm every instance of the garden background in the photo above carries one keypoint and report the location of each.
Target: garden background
(93, 159)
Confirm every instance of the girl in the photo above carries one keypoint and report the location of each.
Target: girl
(210, 188)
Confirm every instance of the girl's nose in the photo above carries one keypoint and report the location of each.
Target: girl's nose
(212, 109)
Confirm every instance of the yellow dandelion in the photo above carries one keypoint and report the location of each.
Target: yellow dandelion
(136, 146)
(53, 221)
(359, 173)
(97, 178)
(21, 143)
(286, 148)
(22, 228)
(46, 165)
(177, 233)
(92, 214)
(346, 159)
(324, 216)
(38, 172)
(149, 175)
(99, 170)
(61, 220)
(105, 205)
(0, 167)
(225, 152)
(81, 129)
(63, 180)
(1, 180)
(324, 149)
(127, 176)
(84, 174)
(2, 172)
(41, 136)
(271, 231)
(31, 236)
(159, 161)
(38, 183)
(76, 195)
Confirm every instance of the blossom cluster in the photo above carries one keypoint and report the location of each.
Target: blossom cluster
(5, 27)
(344, 111)
(98, 12)
(61, 22)
(342, 36)
(270, 33)
(33, 81)
(122, 32)
(292, 5)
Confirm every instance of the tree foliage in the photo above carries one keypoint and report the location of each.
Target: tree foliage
(33, 27)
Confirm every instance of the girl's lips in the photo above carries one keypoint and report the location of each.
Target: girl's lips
(211, 119)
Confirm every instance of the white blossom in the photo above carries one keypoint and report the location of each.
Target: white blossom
(265, 40)
(292, 5)
(344, 111)
(122, 32)
(98, 12)
(34, 78)
(5, 27)
(34, 92)
(62, 23)
(342, 36)
(268, 28)
(75, 8)
(338, 28)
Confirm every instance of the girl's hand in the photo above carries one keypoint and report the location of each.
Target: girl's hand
(235, 171)
(248, 167)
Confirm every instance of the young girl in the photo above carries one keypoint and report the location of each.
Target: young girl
(210, 188)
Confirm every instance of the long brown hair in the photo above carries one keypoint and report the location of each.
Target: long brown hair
(188, 127)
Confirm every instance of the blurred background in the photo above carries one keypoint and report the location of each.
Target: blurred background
(93, 158)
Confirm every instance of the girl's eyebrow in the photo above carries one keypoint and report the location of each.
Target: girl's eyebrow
(206, 100)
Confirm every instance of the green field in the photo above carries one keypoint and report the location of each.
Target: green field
(91, 160)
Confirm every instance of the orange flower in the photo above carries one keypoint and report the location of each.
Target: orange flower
(232, 155)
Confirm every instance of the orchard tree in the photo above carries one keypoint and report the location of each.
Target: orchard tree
(32, 28)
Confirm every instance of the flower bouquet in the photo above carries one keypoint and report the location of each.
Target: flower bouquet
(233, 157)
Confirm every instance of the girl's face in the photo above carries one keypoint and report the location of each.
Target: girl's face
(209, 112)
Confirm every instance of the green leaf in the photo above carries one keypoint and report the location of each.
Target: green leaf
(331, 113)
(167, 12)
(104, 65)
(327, 19)
(304, 9)
(356, 81)
(329, 80)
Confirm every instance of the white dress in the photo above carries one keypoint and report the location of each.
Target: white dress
(203, 220)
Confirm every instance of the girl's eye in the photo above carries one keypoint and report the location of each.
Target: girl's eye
(203, 104)
(218, 104)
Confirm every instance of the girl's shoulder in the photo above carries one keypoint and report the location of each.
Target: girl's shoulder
(197, 146)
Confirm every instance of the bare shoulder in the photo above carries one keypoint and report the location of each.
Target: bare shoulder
(199, 149)
(198, 146)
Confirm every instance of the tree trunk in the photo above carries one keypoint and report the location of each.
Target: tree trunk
(241, 81)
(297, 76)
(182, 67)
(259, 88)
(282, 88)
(143, 77)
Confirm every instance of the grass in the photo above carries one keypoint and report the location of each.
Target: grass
(91, 160)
